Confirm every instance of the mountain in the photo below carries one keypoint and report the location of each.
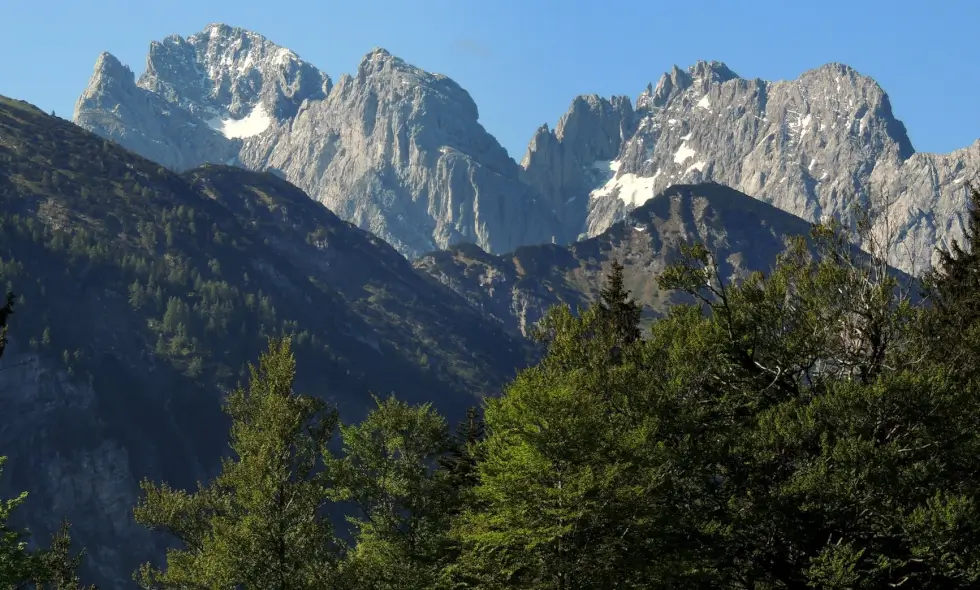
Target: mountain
(400, 152)
(143, 293)
(816, 147)
(396, 150)
(744, 234)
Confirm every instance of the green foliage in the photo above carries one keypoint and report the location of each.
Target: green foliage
(403, 504)
(16, 563)
(618, 309)
(952, 287)
(260, 524)
(57, 568)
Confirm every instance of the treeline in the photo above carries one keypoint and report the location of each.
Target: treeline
(816, 427)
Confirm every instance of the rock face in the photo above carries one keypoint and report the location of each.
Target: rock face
(394, 149)
(817, 146)
(745, 234)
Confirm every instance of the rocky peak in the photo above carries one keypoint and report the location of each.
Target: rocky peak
(227, 72)
(109, 69)
(843, 87)
(382, 73)
(712, 72)
(559, 164)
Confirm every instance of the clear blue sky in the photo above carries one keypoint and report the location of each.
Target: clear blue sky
(524, 60)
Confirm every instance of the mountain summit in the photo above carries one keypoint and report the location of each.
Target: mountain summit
(394, 149)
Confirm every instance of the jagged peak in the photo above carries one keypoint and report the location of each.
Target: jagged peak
(379, 66)
(219, 30)
(109, 65)
(379, 59)
(715, 71)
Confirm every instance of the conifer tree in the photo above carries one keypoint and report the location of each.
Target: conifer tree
(261, 523)
(618, 309)
(459, 464)
(952, 322)
(57, 568)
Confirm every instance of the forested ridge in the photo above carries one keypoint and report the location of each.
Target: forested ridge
(813, 426)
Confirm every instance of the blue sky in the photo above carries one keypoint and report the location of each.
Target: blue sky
(524, 60)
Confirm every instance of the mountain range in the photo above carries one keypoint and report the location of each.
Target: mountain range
(400, 152)
(157, 243)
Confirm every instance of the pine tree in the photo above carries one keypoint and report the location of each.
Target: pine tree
(260, 524)
(57, 568)
(618, 309)
(458, 466)
(952, 322)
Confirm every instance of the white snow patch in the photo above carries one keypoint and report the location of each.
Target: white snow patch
(801, 124)
(639, 228)
(959, 180)
(687, 136)
(682, 154)
(630, 188)
(672, 121)
(257, 121)
(813, 162)
(699, 166)
(704, 103)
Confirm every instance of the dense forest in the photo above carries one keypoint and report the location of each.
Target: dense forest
(813, 426)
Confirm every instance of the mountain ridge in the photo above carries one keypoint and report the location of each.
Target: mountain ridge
(400, 152)
(517, 288)
(395, 149)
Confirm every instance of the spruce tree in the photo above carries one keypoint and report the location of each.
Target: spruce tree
(952, 287)
(618, 309)
(458, 466)
(261, 523)
(57, 568)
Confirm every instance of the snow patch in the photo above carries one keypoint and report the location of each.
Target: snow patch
(682, 154)
(704, 103)
(257, 121)
(699, 166)
(687, 136)
(630, 188)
